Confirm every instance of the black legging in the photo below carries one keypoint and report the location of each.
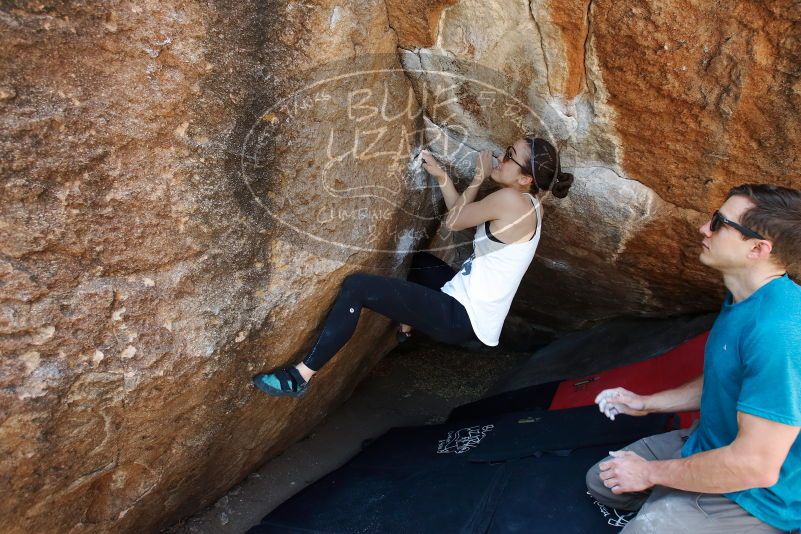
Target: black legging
(417, 302)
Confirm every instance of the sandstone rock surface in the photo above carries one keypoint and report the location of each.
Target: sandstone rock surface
(659, 108)
(185, 186)
(155, 158)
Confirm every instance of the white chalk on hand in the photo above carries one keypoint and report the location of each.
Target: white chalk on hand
(417, 160)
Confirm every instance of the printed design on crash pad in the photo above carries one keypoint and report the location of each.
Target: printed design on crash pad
(615, 518)
(464, 439)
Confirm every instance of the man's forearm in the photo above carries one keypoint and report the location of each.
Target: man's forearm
(680, 399)
(713, 471)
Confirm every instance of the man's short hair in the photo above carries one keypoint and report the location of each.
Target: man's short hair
(776, 214)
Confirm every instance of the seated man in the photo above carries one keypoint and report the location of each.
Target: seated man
(739, 470)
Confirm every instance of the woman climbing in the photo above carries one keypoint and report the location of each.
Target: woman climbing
(472, 303)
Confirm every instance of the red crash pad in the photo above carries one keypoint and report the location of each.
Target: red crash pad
(670, 370)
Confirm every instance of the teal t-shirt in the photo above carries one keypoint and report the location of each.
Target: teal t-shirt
(752, 364)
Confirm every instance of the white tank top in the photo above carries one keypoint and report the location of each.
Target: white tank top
(488, 280)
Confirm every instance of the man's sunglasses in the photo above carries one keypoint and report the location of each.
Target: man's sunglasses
(508, 157)
(718, 219)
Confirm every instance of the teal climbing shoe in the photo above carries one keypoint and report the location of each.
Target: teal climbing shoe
(285, 382)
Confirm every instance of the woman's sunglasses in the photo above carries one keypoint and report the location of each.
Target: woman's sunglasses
(718, 219)
(507, 156)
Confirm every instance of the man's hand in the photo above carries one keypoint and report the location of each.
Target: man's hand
(615, 401)
(627, 472)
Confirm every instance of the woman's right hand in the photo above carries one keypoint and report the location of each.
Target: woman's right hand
(432, 167)
(483, 165)
(612, 402)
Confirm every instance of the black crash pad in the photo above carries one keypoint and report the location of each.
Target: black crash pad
(522, 434)
(444, 478)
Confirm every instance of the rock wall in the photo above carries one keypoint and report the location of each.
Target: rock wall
(152, 171)
(185, 186)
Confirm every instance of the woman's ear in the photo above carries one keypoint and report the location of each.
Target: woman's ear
(525, 180)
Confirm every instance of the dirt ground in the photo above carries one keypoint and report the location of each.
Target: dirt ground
(417, 383)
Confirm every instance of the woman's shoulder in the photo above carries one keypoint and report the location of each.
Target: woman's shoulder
(507, 194)
(511, 199)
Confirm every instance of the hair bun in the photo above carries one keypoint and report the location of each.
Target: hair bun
(562, 184)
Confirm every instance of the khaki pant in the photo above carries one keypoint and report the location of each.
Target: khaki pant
(669, 511)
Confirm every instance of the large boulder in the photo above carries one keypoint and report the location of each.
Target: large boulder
(157, 182)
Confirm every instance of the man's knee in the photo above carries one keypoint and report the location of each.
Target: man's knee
(604, 495)
(596, 486)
